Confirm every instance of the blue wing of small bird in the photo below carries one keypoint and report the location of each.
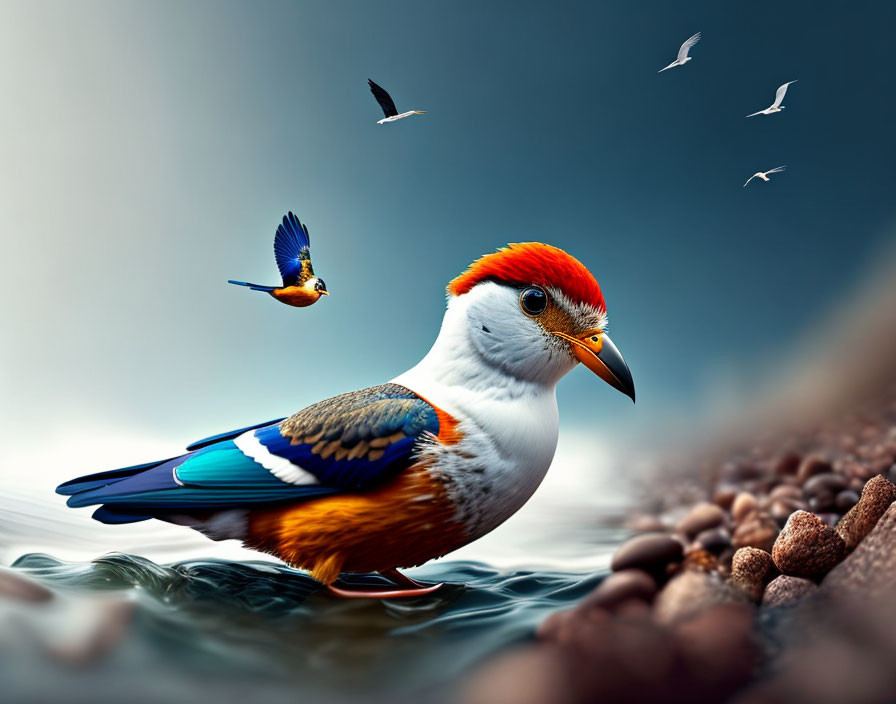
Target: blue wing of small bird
(345, 444)
(292, 249)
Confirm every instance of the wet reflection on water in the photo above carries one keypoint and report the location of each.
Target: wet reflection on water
(221, 621)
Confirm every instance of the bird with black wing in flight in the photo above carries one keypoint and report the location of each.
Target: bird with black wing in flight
(388, 105)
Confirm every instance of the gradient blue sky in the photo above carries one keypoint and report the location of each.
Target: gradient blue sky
(148, 151)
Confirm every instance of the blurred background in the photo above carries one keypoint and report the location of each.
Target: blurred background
(149, 151)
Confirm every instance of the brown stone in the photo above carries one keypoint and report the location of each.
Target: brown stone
(807, 547)
(811, 466)
(651, 552)
(702, 517)
(689, 593)
(15, 586)
(714, 540)
(787, 463)
(758, 531)
(785, 492)
(645, 523)
(700, 560)
(787, 591)
(876, 497)
(845, 500)
(870, 570)
(829, 483)
(718, 652)
(751, 570)
(723, 498)
(620, 587)
(744, 504)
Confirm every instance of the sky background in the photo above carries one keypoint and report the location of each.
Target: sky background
(149, 150)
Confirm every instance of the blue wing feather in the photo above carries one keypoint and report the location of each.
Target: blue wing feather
(291, 247)
(220, 476)
(348, 443)
(229, 435)
(355, 440)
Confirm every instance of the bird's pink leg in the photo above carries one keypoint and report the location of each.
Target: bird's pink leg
(411, 588)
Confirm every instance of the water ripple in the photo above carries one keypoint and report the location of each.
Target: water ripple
(244, 619)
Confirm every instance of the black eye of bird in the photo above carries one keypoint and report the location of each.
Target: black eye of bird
(533, 300)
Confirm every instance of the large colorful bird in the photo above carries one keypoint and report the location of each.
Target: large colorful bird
(292, 250)
(398, 474)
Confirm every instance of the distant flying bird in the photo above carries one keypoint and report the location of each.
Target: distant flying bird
(764, 174)
(388, 105)
(292, 250)
(683, 57)
(775, 106)
(398, 474)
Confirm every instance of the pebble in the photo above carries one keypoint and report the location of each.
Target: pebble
(714, 540)
(876, 497)
(821, 502)
(891, 473)
(824, 483)
(689, 593)
(744, 504)
(845, 500)
(700, 560)
(700, 518)
(807, 547)
(751, 570)
(788, 463)
(758, 531)
(786, 492)
(652, 552)
(644, 523)
(718, 655)
(741, 471)
(781, 510)
(869, 572)
(786, 590)
(620, 587)
(811, 466)
(14, 586)
(723, 498)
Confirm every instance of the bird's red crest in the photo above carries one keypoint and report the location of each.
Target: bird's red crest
(533, 263)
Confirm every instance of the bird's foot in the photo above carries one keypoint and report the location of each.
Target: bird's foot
(410, 588)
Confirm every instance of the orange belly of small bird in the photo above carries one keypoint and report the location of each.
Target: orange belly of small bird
(404, 523)
(297, 296)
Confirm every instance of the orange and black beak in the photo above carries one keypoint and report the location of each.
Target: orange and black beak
(597, 352)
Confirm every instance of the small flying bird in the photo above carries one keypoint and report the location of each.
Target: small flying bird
(292, 250)
(398, 474)
(764, 174)
(388, 105)
(683, 57)
(775, 106)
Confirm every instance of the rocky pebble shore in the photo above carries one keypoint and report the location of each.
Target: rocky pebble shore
(781, 571)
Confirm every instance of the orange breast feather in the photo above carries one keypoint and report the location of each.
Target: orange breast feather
(295, 296)
(405, 522)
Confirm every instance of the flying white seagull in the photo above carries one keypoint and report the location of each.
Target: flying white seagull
(683, 57)
(775, 106)
(388, 105)
(764, 174)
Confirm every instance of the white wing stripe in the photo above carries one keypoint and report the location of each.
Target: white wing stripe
(281, 468)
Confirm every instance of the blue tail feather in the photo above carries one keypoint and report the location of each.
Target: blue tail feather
(100, 479)
(106, 515)
(213, 477)
(254, 287)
